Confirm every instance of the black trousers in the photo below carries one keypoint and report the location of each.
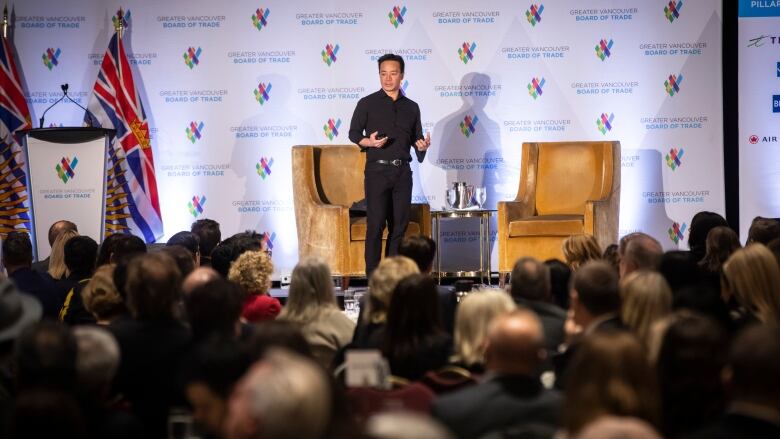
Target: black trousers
(388, 200)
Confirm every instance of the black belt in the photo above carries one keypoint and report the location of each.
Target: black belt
(396, 162)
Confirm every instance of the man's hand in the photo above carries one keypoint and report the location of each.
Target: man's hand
(424, 144)
(373, 142)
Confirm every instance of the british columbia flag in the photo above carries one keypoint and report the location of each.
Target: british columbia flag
(14, 117)
(132, 204)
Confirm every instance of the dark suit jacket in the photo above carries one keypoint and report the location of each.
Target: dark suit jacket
(41, 266)
(448, 303)
(552, 318)
(562, 360)
(499, 402)
(41, 286)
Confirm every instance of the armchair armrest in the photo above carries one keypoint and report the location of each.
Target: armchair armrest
(421, 214)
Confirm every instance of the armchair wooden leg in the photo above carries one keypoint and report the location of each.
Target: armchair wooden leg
(344, 283)
(502, 278)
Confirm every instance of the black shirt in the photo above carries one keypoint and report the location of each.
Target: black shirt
(399, 120)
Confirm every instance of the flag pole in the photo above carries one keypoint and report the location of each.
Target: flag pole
(5, 21)
(119, 25)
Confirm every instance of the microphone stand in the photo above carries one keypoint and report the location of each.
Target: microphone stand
(64, 88)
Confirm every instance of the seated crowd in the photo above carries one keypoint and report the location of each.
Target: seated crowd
(125, 340)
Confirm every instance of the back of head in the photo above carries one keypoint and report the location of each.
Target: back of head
(208, 233)
(753, 363)
(596, 285)
(17, 250)
(199, 276)
(182, 257)
(613, 427)
(421, 249)
(58, 227)
(126, 247)
(475, 313)
(97, 359)
(311, 291)
(244, 242)
(515, 343)
(613, 377)
(611, 255)
(153, 286)
(107, 248)
(703, 300)
(57, 267)
(530, 280)
(382, 283)
(638, 251)
(218, 363)
(722, 242)
(405, 425)
(580, 248)
(271, 334)
(560, 276)
(752, 275)
(46, 413)
(646, 298)
(413, 313)
(763, 230)
(45, 357)
(188, 240)
(252, 270)
(100, 295)
(283, 396)
(701, 224)
(221, 258)
(774, 247)
(214, 309)
(679, 269)
(80, 255)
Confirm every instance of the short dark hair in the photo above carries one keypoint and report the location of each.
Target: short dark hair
(596, 284)
(17, 249)
(419, 248)
(560, 275)
(754, 360)
(208, 233)
(59, 227)
(107, 247)
(218, 363)
(153, 286)
(763, 230)
(530, 280)
(221, 258)
(45, 356)
(701, 224)
(187, 240)
(182, 257)
(391, 57)
(214, 308)
(126, 247)
(80, 255)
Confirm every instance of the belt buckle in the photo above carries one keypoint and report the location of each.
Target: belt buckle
(396, 162)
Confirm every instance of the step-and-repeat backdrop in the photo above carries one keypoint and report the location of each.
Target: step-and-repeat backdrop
(229, 87)
(759, 120)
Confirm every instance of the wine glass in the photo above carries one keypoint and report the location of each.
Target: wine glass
(480, 194)
(451, 197)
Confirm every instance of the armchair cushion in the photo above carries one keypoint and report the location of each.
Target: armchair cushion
(547, 225)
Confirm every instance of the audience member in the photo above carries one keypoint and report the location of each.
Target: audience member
(646, 299)
(45, 357)
(274, 400)
(190, 242)
(611, 256)
(277, 334)
(80, 255)
(690, 361)
(475, 314)
(638, 251)
(706, 301)
(701, 224)
(752, 277)
(182, 257)
(614, 427)
(221, 258)
(252, 271)
(512, 397)
(107, 249)
(579, 249)
(214, 309)
(46, 413)
(721, 243)
(610, 376)
(199, 276)
(560, 275)
(763, 230)
(405, 425)
(422, 250)
(57, 268)
(774, 247)
(679, 269)
(530, 288)
(55, 230)
(209, 235)
(101, 298)
(17, 259)
(312, 305)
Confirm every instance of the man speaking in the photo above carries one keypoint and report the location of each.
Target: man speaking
(385, 125)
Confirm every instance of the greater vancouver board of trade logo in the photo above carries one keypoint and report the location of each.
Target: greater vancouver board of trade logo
(535, 87)
(195, 131)
(66, 168)
(604, 49)
(534, 14)
(192, 57)
(604, 122)
(331, 128)
(468, 125)
(260, 18)
(677, 232)
(674, 158)
(466, 52)
(396, 16)
(262, 92)
(51, 57)
(195, 205)
(329, 54)
(263, 167)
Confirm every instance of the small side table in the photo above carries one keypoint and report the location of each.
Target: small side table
(484, 242)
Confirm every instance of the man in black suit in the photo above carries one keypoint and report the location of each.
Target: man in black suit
(54, 231)
(17, 259)
(751, 375)
(512, 399)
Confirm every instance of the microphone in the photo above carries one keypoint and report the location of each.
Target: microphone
(64, 88)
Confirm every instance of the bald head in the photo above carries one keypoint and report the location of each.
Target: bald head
(639, 251)
(58, 228)
(199, 276)
(515, 343)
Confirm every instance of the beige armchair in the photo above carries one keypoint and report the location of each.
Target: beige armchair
(327, 179)
(565, 188)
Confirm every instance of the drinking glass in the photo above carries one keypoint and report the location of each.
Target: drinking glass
(452, 197)
(481, 196)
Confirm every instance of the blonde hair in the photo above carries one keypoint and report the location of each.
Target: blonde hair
(57, 267)
(753, 276)
(252, 270)
(311, 292)
(646, 299)
(382, 283)
(100, 296)
(475, 313)
(579, 249)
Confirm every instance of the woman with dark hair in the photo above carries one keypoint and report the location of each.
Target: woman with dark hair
(413, 340)
(560, 273)
(701, 224)
(722, 242)
(107, 248)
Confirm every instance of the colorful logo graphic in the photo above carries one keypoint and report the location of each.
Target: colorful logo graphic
(329, 54)
(192, 57)
(534, 14)
(264, 167)
(775, 103)
(125, 19)
(673, 84)
(396, 16)
(194, 131)
(51, 57)
(604, 49)
(332, 128)
(535, 87)
(674, 158)
(404, 86)
(672, 11)
(753, 139)
(268, 240)
(196, 205)
(260, 18)
(604, 123)
(467, 127)
(466, 52)
(677, 232)
(261, 93)
(65, 168)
